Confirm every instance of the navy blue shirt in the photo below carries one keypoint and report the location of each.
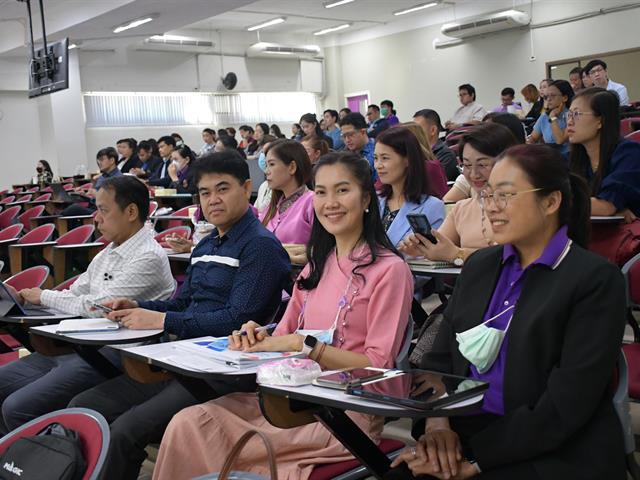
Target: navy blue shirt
(232, 279)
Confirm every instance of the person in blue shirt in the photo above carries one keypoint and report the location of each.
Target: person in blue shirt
(236, 274)
(552, 124)
(400, 164)
(353, 129)
(610, 165)
(377, 123)
(332, 129)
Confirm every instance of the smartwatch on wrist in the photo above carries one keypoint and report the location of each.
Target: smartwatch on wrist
(308, 344)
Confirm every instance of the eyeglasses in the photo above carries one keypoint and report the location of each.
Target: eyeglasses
(500, 198)
(597, 69)
(350, 134)
(575, 115)
(479, 167)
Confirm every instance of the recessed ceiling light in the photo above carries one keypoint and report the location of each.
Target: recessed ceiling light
(332, 29)
(274, 21)
(336, 3)
(416, 8)
(132, 24)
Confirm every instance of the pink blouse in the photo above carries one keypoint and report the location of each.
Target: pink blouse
(293, 225)
(376, 314)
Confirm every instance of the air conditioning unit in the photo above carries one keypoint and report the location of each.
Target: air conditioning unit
(275, 50)
(484, 24)
(178, 41)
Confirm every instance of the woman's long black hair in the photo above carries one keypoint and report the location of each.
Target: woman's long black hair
(322, 243)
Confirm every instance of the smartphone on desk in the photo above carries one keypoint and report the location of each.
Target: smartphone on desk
(101, 307)
(354, 377)
(419, 223)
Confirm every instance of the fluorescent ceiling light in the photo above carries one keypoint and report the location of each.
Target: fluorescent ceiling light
(507, 12)
(278, 53)
(274, 21)
(332, 29)
(336, 3)
(72, 46)
(169, 37)
(416, 8)
(132, 24)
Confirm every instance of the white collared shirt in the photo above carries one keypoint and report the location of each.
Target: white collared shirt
(469, 112)
(136, 269)
(621, 90)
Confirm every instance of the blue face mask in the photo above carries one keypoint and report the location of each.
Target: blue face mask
(262, 161)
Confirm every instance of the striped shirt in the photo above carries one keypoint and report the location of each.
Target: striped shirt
(136, 269)
(232, 279)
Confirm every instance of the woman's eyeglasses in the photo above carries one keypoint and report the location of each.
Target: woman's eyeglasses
(500, 198)
(575, 115)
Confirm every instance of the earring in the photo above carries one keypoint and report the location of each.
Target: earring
(366, 210)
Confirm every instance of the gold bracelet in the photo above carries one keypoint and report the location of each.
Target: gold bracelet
(320, 352)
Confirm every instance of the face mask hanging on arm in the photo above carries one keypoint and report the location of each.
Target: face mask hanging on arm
(262, 161)
(481, 344)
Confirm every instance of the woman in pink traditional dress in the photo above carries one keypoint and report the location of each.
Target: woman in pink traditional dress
(289, 215)
(349, 308)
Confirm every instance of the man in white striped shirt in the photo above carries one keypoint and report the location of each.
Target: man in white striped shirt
(133, 265)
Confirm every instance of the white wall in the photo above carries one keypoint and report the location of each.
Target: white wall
(406, 68)
(19, 137)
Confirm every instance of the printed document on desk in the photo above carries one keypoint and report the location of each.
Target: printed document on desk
(216, 349)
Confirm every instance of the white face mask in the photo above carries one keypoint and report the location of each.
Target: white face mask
(325, 336)
(481, 344)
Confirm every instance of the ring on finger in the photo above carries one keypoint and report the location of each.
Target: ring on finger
(414, 452)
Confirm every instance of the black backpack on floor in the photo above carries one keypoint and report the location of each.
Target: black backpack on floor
(55, 453)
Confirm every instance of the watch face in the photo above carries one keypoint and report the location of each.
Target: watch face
(310, 341)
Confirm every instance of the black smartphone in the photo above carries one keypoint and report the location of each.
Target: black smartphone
(341, 380)
(420, 224)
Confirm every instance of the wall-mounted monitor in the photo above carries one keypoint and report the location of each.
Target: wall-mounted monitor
(49, 71)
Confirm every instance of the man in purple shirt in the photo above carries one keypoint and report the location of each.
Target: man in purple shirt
(387, 111)
(508, 105)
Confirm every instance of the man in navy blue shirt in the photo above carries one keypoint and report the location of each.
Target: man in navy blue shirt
(236, 274)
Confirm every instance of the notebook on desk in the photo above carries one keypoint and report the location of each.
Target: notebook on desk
(216, 349)
(87, 325)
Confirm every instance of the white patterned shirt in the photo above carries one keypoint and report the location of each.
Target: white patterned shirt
(136, 269)
(467, 113)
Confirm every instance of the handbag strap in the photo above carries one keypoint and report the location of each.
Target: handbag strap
(237, 448)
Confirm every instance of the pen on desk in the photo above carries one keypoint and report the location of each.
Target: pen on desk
(259, 329)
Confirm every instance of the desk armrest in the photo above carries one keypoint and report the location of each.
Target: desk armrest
(76, 217)
(8, 241)
(78, 245)
(32, 245)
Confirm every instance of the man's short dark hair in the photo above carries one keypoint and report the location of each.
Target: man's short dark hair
(575, 70)
(469, 89)
(430, 116)
(508, 91)
(346, 110)
(246, 128)
(227, 161)
(210, 131)
(388, 103)
(231, 131)
(168, 140)
(594, 63)
(374, 107)
(110, 152)
(127, 190)
(129, 141)
(356, 119)
(145, 145)
(333, 113)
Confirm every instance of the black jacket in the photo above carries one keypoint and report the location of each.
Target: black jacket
(448, 159)
(563, 343)
(156, 179)
(132, 162)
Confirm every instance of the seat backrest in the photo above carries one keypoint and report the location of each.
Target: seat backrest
(33, 277)
(24, 198)
(8, 216)
(67, 186)
(91, 427)
(402, 359)
(42, 198)
(153, 206)
(33, 189)
(78, 235)
(635, 136)
(183, 212)
(11, 232)
(29, 214)
(39, 234)
(182, 231)
(66, 284)
(8, 199)
(631, 272)
(627, 125)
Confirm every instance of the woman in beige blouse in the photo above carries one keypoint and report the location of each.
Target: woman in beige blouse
(466, 229)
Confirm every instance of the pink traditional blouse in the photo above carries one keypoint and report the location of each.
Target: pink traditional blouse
(293, 224)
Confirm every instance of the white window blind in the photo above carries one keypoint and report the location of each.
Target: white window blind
(120, 109)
